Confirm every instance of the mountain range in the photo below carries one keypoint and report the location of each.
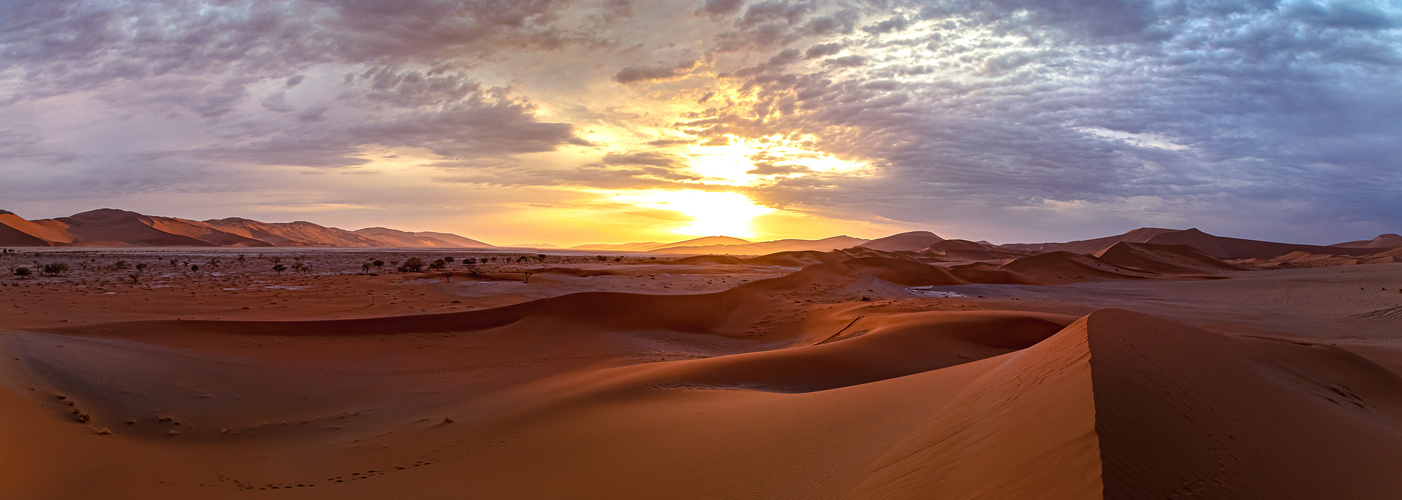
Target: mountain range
(120, 228)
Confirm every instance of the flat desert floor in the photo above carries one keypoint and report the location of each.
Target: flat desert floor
(640, 378)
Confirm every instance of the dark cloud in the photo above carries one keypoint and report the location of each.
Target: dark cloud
(1349, 15)
(416, 89)
(822, 50)
(718, 8)
(895, 23)
(767, 168)
(487, 125)
(27, 145)
(633, 74)
(670, 142)
(648, 158)
(846, 61)
(594, 175)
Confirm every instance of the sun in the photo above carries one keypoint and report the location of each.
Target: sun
(703, 213)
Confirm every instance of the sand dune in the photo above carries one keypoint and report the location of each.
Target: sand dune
(766, 247)
(906, 405)
(397, 238)
(300, 233)
(1306, 420)
(913, 241)
(1054, 268)
(832, 381)
(1390, 240)
(1162, 259)
(707, 241)
(119, 228)
(1236, 248)
(15, 231)
(1093, 246)
(1217, 247)
(965, 250)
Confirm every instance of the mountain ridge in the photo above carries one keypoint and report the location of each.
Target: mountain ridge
(109, 227)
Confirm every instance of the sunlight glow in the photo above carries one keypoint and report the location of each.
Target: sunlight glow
(750, 161)
(704, 213)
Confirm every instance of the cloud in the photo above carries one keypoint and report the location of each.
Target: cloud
(649, 158)
(822, 50)
(895, 23)
(846, 61)
(768, 168)
(633, 74)
(969, 112)
(489, 124)
(718, 8)
(25, 144)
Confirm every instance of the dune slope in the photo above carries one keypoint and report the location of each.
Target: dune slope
(1182, 412)
(755, 392)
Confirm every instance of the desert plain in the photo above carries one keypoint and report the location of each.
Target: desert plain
(1202, 367)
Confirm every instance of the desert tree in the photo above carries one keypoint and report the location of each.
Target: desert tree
(379, 264)
(55, 269)
(279, 268)
(413, 265)
(23, 272)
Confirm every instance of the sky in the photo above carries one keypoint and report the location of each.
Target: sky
(604, 121)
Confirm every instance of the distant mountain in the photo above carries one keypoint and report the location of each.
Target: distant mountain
(766, 247)
(1141, 235)
(972, 250)
(1161, 259)
(1217, 247)
(121, 228)
(913, 241)
(397, 238)
(453, 239)
(292, 234)
(1221, 247)
(652, 245)
(1389, 240)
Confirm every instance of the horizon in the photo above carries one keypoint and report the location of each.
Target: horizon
(581, 123)
(572, 246)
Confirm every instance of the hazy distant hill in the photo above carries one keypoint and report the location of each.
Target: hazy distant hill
(766, 247)
(1218, 247)
(653, 245)
(913, 241)
(1141, 235)
(397, 238)
(1389, 240)
(121, 228)
(1236, 248)
(292, 234)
